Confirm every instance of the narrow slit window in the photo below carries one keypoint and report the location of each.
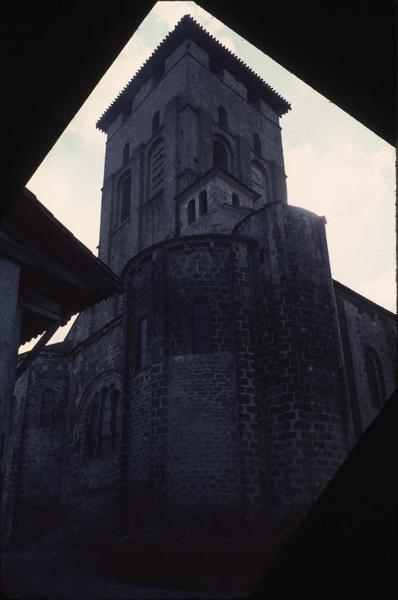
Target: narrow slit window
(191, 211)
(93, 441)
(143, 350)
(220, 156)
(202, 203)
(125, 195)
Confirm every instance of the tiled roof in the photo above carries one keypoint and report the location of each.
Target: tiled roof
(188, 27)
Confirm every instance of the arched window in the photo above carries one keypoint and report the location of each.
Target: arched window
(156, 168)
(220, 155)
(115, 396)
(257, 143)
(47, 412)
(202, 203)
(126, 153)
(222, 116)
(92, 443)
(201, 341)
(143, 350)
(103, 423)
(124, 198)
(258, 179)
(97, 427)
(191, 211)
(106, 413)
(375, 378)
(155, 122)
(235, 200)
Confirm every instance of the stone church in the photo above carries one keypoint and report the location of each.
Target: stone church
(233, 375)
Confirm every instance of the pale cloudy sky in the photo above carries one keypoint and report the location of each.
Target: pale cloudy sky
(335, 166)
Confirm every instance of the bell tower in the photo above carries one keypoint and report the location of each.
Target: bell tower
(193, 145)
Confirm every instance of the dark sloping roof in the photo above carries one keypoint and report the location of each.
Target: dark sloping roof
(55, 266)
(361, 301)
(188, 27)
(221, 221)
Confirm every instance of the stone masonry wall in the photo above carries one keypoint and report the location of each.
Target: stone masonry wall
(151, 219)
(208, 92)
(11, 454)
(203, 436)
(187, 419)
(91, 483)
(38, 447)
(305, 406)
(364, 326)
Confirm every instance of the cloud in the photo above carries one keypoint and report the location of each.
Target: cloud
(354, 190)
(340, 179)
(130, 59)
(68, 184)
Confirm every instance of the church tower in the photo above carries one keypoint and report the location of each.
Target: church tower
(193, 144)
(233, 360)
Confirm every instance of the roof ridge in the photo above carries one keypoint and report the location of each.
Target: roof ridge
(188, 18)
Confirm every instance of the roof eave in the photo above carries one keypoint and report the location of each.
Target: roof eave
(187, 26)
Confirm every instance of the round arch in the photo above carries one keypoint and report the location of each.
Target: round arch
(374, 377)
(223, 156)
(122, 207)
(108, 377)
(97, 426)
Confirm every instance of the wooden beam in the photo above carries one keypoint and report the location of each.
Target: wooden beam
(30, 357)
(51, 311)
(33, 259)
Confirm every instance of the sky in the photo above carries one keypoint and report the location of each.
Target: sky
(335, 166)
